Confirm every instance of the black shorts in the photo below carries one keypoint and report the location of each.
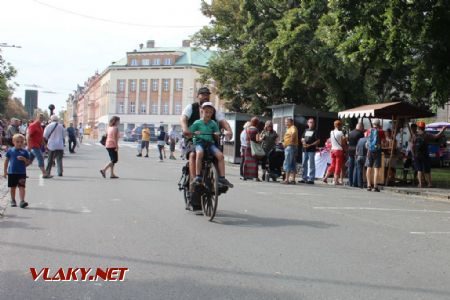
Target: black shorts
(113, 155)
(144, 144)
(17, 180)
(373, 159)
(422, 164)
(172, 146)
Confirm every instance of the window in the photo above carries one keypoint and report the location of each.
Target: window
(133, 85)
(178, 85)
(167, 61)
(134, 62)
(156, 62)
(143, 85)
(155, 85)
(178, 109)
(121, 108)
(146, 62)
(165, 109)
(165, 85)
(155, 109)
(132, 107)
(121, 85)
(143, 109)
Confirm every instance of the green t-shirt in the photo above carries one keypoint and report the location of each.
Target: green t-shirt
(209, 128)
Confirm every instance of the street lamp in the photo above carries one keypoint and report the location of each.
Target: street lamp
(51, 107)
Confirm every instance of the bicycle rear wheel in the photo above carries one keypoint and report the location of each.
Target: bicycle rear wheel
(210, 198)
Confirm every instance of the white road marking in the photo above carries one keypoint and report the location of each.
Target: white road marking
(41, 180)
(86, 144)
(85, 210)
(430, 232)
(383, 209)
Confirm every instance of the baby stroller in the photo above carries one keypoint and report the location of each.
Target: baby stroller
(275, 159)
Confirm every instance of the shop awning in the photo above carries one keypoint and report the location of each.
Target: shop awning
(386, 111)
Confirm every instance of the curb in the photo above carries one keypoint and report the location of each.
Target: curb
(425, 193)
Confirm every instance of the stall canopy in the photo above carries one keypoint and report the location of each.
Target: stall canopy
(386, 111)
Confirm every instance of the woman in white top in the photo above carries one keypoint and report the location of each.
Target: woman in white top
(243, 138)
(338, 143)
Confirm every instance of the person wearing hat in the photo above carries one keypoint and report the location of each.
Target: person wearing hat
(205, 132)
(420, 153)
(54, 135)
(190, 114)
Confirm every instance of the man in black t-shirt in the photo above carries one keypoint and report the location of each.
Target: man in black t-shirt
(310, 141)
(353, 138)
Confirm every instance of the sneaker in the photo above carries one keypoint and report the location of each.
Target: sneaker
(146, 155)
(47, 176)
(369, 188)
(310, 182)
(13, 203)
(139, 155)
(302, 181)
(376, 189)
(23, 204)
(196, 182)
(225, 182)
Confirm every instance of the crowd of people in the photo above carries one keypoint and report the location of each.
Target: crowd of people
(22, 143)
(357, 155)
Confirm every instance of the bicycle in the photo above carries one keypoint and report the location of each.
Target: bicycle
(208, 193)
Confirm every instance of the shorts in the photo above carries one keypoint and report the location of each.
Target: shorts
(373, 159)
(113, 156)
(17, 180)
(144, 144)
(37, 153)
(290, 161)
(172, 146)
(212, 148)
(422, 164)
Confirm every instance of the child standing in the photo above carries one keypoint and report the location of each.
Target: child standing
(17, 159)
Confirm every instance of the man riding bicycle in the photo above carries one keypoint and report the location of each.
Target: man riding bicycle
(191, 114)
(205, 131)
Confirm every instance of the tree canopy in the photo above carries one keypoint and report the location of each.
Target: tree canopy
(328, 54)
(7, 72)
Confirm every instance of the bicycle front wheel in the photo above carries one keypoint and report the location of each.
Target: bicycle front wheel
(210, 198)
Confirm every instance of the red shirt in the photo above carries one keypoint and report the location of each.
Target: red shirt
(36, 135)
(380, 133)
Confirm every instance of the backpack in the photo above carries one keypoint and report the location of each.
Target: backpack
(420, 146)
(373, 144)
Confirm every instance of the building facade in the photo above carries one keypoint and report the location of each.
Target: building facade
(150, 85)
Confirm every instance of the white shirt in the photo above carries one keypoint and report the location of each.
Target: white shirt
(336, 139)
(56, 140)
(244, 138)
(188, 113)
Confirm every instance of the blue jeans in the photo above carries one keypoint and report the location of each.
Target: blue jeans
(36, 153)
(290, 159)
(351, 170)
(358, 175)
(309, 172)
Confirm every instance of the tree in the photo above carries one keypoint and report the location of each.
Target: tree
(15, 109)
(7, 72)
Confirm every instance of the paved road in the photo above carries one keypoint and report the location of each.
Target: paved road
(268, 242)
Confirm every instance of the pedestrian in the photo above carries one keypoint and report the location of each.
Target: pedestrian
(145, 140)
(310, 141)
(421, 155)
(243, 139)
(35, 140)
(268, 138)
(360, 160)
(72, 138)
(251, 162)
(112, 146)
(14, 167)
(80, 133)
(162, 139)
(54, 134)
(373, 163)
(353, 137)
(11, 130)
(290, 143)
(173, 139)
(390, 145)
(338, 143)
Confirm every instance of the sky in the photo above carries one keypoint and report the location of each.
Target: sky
(63, 43)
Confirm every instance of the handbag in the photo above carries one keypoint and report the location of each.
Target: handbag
(103, 139)
(257, 150)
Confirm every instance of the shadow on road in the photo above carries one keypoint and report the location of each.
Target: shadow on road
(245, 220)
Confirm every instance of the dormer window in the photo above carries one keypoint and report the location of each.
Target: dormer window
(134, 62)
(167, 61)
(146, 62)
(156, 62)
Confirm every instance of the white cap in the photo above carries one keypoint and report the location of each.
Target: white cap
(54, 118)
(207, 104)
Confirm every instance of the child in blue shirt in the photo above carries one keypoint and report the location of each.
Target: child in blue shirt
(17, 159)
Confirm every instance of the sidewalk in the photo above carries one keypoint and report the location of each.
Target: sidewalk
(433, 193)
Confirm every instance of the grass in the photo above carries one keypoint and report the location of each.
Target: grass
(441, 177)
